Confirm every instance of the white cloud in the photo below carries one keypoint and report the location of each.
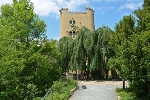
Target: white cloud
(45, 7)
(103, 9)
(126, 14)
(131, 6)
(105, 0)
(110, 8)
(52, 7)
(111, 0)
(5, 1)
(97, 0)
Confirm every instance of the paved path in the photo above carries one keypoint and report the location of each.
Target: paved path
(94, 90)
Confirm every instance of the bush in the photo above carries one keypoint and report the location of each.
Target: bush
(61, 89)
(126, 94)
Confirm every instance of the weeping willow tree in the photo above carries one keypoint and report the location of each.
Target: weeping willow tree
(65, 48)
(101, 52)
(88, 51)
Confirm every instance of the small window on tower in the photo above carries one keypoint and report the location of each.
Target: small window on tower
(70, 22)
(73, 21)
(70, 34)
(74, 34)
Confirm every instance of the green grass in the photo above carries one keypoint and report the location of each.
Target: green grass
(61, 90)
(126, 94)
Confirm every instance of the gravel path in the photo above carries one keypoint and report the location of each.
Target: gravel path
(96, 90)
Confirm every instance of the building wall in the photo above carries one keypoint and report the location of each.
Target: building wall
(80, 18)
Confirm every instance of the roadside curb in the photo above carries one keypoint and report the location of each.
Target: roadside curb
(118, 96)
(72, 91)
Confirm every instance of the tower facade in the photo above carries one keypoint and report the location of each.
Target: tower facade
(70, 22)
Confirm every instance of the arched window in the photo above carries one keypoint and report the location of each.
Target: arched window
(72, 22)
(74, 33)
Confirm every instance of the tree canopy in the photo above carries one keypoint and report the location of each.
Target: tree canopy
(131, 42)
(89, 51)
(28, 63)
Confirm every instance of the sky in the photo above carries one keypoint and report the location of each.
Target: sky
(106, 12)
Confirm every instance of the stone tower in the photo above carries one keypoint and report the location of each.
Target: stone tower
(71, 21)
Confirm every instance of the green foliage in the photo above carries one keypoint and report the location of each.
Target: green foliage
(28, 64)
(132, 51)
(143, 16)
(61, 89)
(90, 51)
(127, 94)
(65, 48)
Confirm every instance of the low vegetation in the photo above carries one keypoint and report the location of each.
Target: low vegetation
(127, 94)
(61, 90)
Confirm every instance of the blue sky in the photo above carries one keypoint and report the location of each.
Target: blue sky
(107, 12)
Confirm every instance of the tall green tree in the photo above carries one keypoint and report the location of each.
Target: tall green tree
(66, 50)
(101, 53)
(88, 52)
(123, 31)
(81, 56)
(143, 16)
(25, 59)
(132, 50)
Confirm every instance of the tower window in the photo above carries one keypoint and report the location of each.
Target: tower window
(74, 33)
(72, 22)
(70, 34)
